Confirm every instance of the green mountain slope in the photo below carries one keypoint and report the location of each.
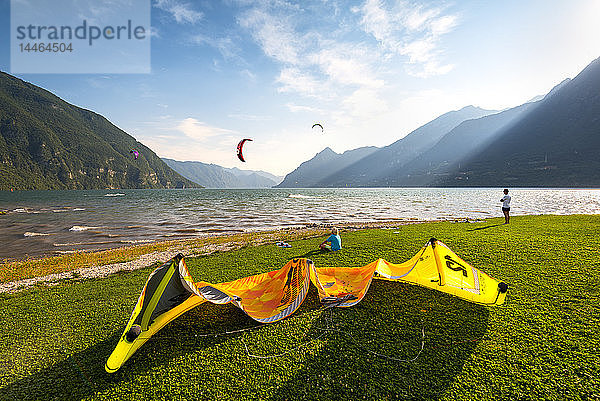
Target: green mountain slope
(47, 143)
(556, 144)
(447, 154)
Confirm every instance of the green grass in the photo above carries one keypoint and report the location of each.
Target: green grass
(542, 344)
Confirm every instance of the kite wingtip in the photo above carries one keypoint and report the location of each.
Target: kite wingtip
(108, 369)
(502, 287)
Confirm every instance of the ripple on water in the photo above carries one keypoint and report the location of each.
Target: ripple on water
(130, 217)
(83, 228)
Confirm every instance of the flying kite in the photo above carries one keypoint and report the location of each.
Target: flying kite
(135, 153)
(239, 149)
(268, 297)
(318, 125)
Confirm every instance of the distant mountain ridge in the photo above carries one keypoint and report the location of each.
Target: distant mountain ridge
(47, 143)
(365, 166)
(239, 172)
(215, 176)
(466, 138)
(556, 144)
(552, 140)
(325, 163)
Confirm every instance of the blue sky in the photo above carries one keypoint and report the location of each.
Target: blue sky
(369, 71)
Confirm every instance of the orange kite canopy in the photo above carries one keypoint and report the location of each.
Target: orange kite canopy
(275, 295)
(240, 147)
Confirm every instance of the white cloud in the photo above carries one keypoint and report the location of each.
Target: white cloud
(415, 17)
(295, 80)
(198, 130)
(410, 30)
(429, 68)
(344, 63)
(296, 108)
(365, 103)
(173, 149)
(342, 67)
(225, 45)
(182, 12)
(348, 65)
(313, 63)
(376, 21)
(189, 139)
(274, 33)
(418, 51)
(443, 25)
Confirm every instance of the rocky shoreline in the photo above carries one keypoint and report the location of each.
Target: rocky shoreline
(192, 249)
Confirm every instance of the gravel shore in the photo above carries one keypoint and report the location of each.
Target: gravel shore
(191, 249)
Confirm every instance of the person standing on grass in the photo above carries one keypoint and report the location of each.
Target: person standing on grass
(333, 242)
(506, 206)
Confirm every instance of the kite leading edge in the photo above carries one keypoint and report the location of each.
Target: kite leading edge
(240, 146)
(268, 297)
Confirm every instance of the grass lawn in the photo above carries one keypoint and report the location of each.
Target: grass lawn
(543, 343)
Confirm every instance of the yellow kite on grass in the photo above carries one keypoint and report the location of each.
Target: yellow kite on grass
(269, 297)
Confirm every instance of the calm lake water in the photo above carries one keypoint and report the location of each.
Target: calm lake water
(52, 222)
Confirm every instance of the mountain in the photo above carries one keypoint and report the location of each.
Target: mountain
(554, 145)
(468, 137)
(322, 165)
(549, 141)
(47, 143)
(238, 172)
(551, 93)
(214, 176)
(375, 163)
(375, 169)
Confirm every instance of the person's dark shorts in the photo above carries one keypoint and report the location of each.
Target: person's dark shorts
(505, 209)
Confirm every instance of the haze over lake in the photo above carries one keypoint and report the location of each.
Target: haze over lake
(51, 222)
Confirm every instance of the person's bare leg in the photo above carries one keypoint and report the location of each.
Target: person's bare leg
(506, 216)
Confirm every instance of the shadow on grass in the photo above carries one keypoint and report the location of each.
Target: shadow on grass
(310, 254)
(344, 362)
(355, 359)
(81, 374)
(483, 228)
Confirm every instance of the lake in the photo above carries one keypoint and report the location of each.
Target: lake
(53, 222)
